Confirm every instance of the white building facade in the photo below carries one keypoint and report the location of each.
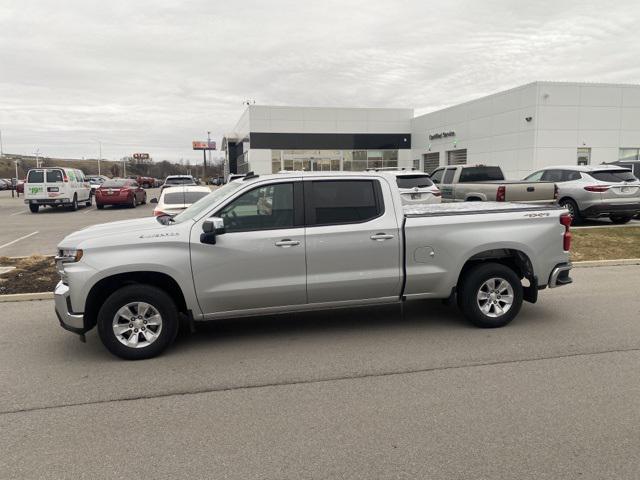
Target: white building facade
(521, 130)
(268, 139)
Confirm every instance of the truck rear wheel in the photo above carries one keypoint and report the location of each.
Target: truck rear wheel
(490, 295)
(34, 208)
(137, 322)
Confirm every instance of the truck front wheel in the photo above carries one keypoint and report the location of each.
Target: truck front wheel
(490, 295)
(137, 322)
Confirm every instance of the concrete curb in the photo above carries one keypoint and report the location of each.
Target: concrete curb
(607, 263)
(26, 297)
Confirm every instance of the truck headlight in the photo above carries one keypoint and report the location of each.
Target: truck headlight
(66, 256)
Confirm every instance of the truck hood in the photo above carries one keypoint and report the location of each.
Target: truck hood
(123, 227)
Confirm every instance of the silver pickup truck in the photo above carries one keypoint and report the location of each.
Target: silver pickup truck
(304, 241)
(481, 183)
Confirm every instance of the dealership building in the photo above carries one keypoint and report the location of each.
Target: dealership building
(521, 130)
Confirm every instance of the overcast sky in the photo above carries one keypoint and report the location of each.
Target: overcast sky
(153, 75)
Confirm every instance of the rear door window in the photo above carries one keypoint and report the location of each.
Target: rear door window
(35, 176)
(448, 176)
(614, 176)
(480, 174)
(334, 202)
(54, 176)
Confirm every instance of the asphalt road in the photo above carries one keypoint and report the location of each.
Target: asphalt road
(353, 394)
(25, 233)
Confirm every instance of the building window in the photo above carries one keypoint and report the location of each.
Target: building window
(457, 157)
(584, 156)
(390, 158)
(416, 164)
(276, 161)
(431, 161)
(629, 154)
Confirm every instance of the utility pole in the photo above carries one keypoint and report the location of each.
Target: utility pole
(37, 154)
(1, 150)
(99, 156)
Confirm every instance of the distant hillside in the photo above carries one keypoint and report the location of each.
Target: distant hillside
(107, 167)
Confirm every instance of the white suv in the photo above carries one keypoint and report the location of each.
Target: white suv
(55, 187)
(415, 187)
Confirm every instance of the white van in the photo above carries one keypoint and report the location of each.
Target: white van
(56, 186)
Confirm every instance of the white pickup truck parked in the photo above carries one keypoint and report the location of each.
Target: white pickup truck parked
(481, 183)
(304, 241)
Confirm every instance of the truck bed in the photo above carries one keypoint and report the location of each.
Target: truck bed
(466, 208)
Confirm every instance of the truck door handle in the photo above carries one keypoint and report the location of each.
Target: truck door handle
(381, 237)
(286, 243)
(531, 189)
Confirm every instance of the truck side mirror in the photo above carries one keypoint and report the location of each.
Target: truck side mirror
(210, 228)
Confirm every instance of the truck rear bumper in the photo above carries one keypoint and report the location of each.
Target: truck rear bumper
(74, 322)
(48, 201)
(560, 275)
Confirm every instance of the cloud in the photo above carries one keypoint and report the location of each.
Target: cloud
(154, 75)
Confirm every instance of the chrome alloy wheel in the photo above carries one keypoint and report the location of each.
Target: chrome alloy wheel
(495, 297)
(137, 324)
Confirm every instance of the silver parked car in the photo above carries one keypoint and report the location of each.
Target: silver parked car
(594, 191)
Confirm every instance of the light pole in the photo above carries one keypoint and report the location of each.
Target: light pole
(99, 156)
(1, 150)
(37, 154)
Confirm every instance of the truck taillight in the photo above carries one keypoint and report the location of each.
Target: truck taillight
(565, 219)
(501, 193)
(65, 179)
(159, 213)
(596, 188)
(555, 191)
(437, 193)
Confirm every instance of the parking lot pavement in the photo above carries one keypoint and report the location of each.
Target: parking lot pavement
(26, 233)
(351, 394)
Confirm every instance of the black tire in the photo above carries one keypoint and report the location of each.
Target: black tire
(574, 211)
(99, 206)
(138, 293)
(133, 203)
(144, 199)
(619, 220)
(470, 286)
(88, 202)
(34, 208)
(74, 204)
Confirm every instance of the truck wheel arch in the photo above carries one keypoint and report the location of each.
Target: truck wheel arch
(516, 260)
(106, 286)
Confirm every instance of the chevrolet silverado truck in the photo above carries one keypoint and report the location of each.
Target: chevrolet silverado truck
(303, 241)
(481, 183)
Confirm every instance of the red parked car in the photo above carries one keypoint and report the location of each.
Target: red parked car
(120, 191)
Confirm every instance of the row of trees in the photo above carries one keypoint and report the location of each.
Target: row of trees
(133, 166)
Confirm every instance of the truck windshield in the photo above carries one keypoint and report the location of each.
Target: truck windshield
(206, 202)
(480, 174)
(413, 181)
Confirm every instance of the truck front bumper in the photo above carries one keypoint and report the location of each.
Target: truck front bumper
(560, 275)
(74, 322)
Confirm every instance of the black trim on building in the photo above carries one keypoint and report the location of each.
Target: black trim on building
(331, 141)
